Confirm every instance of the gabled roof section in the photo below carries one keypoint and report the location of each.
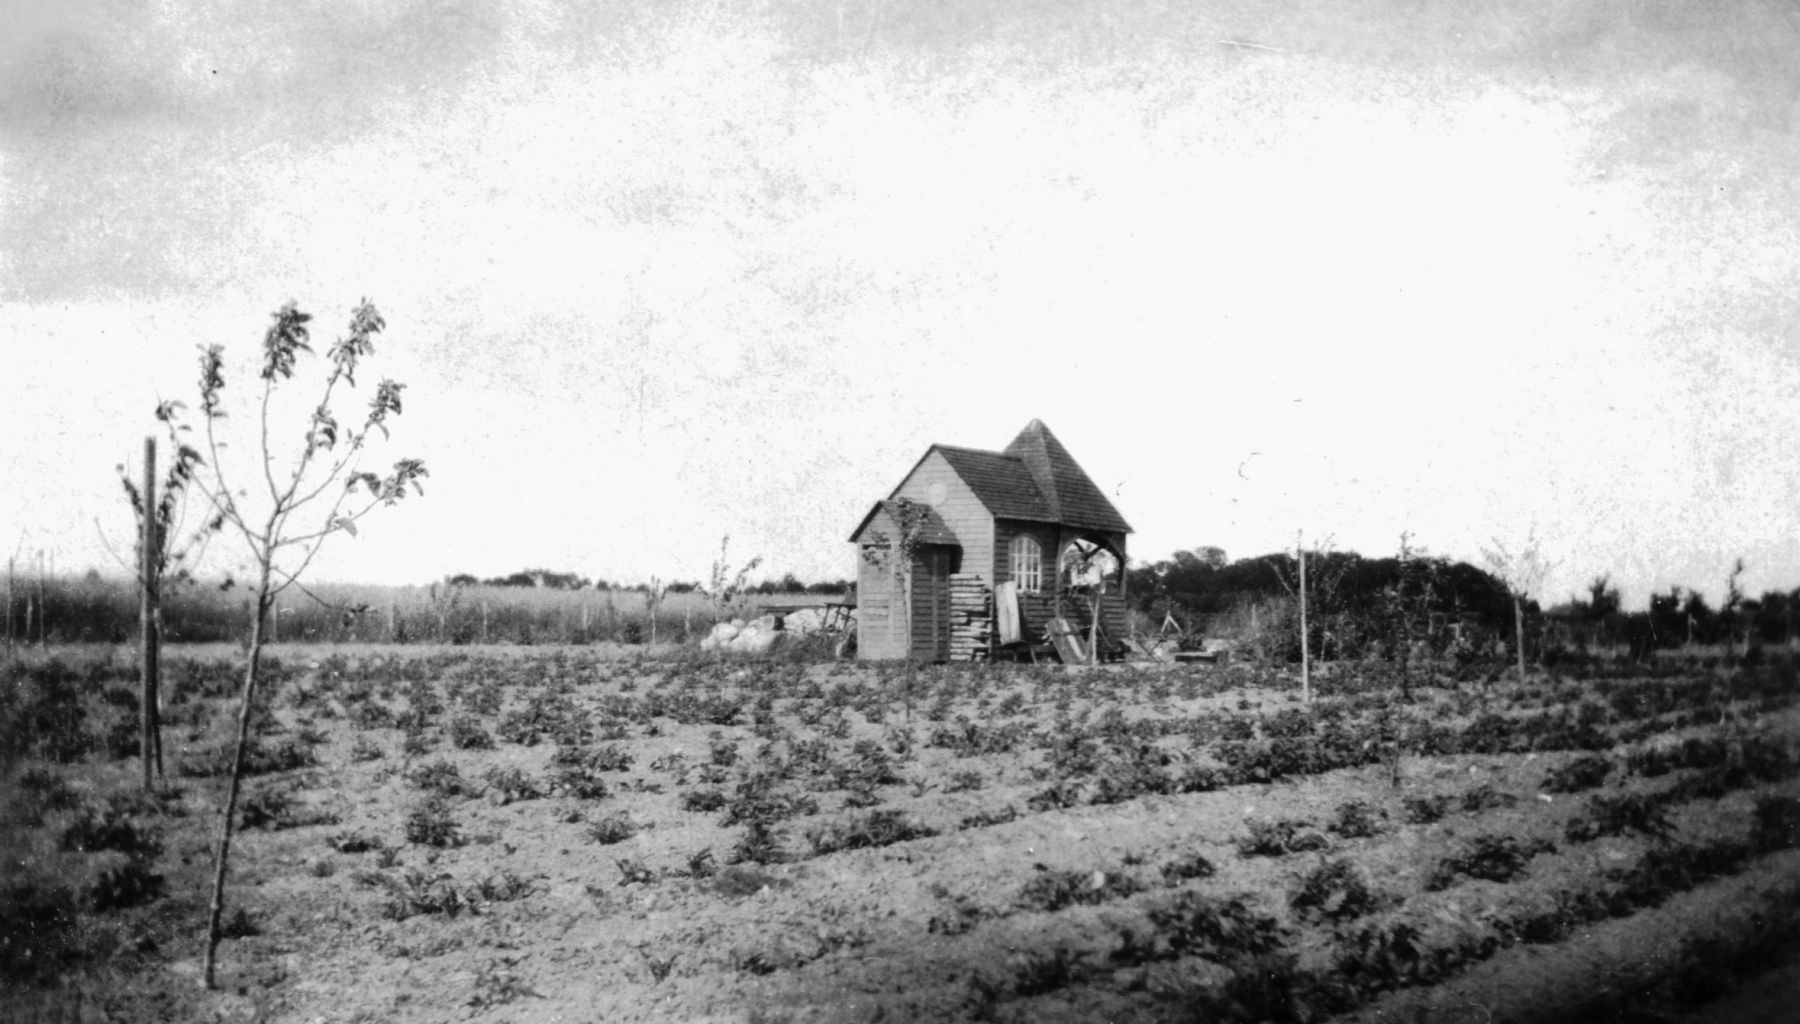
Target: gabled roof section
(1034, 479)
(1070, 493)
(932, 530)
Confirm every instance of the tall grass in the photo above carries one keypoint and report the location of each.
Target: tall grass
(86, 610)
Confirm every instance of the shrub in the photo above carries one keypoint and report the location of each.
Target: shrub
(1356, 819)
(1777, 824)
(632, 871)
(1611, 815)
(267, 807)
(497, 984)
(352, 842)
(502, 887)
(700, 864)
(704, 801)
(439, 777)
(430, 823)
(1419, 810)
(1218, 928)
(467, 733)
(45, 792)
(739, 880)
(1585, 772)
(261, 757)
(511, 784)
(1335, 891)
(1182, 869)
(609, 758)
(130, 884)
(1486, 797)
(1036, 973)
(39, 924)
(1053, 890)
(110, 830)
(986, 819)
(965, 781)
(1277, 838)
(1495, 858)
(415, 892)
(614, 828)
(877, 828)
(760, 844)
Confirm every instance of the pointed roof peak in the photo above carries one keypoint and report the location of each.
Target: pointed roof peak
(1070, 493)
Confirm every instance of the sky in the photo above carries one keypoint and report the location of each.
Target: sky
(657, 273)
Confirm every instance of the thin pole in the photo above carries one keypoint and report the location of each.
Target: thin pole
(41, 616)
(1305, 649)
(147, 596)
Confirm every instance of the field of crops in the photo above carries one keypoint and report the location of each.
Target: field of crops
(582, 834)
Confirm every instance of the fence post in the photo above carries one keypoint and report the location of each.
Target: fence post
(147, 600)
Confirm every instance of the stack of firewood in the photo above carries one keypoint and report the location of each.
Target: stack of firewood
(971, 617)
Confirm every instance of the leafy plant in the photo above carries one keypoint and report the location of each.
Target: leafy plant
(1335, 891)
(1425, 810)
(467, 733)
(440, 777)
(1218, 928)
(498, 983)
(1191, 866)
(614, 828)
(415, 892)
(1611, 815)
(1279, 838)
(511, 783)
(431, 823)
(1050, 890)
(1777, 824)
(877, 828)
(1356, 819)
(1582, 773)
(1495, 858)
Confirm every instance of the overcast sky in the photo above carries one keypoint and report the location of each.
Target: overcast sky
(659, 272)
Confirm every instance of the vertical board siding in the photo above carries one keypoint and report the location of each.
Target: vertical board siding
(931, 606)
(877, 627)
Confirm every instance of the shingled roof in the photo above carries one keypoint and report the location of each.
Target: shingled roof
(1034, 479)
(932, 528)
(1067, 491)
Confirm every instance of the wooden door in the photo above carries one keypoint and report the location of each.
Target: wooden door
(931, 604)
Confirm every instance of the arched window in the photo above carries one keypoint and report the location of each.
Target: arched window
(1026, 559)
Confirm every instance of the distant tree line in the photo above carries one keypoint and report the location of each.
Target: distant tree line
(1677, 617)
(1359, 606)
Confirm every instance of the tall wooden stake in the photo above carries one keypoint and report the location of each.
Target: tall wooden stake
(147, 608)
(1305, 649)
(41, 617)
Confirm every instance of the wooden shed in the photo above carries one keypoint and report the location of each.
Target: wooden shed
(1026, 515)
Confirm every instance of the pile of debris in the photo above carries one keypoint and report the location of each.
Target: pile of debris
(759, 635)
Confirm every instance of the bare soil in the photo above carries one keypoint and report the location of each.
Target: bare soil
(1061, 818)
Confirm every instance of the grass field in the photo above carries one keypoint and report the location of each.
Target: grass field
(593, 833)
(80, 610)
